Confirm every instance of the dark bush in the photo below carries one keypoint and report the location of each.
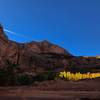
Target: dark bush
(3, 77)
(24, 79)
(49, 75)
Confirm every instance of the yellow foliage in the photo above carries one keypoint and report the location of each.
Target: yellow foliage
(98, 57)
(78, 76)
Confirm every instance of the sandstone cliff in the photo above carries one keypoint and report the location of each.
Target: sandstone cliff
(33, 56)
(36, 57)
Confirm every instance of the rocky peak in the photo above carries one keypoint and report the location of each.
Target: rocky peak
(37, 47)
(46, 47)
(45, 42)
(1, 28)
(3, 36)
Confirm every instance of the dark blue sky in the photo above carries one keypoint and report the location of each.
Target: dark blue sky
(72, 24)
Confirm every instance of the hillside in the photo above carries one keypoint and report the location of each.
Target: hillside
(39, 56)
(38, 59)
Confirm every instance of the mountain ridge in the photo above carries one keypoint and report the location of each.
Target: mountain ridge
(28, 54)
(38, 57)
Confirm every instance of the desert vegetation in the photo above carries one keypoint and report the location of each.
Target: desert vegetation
(11, 76)
(78, 75)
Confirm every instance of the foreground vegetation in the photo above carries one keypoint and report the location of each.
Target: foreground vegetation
(10, 75)
(78, 76)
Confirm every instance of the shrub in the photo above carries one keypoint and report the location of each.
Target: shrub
(49, 75)
(24, 79)
(3, 77)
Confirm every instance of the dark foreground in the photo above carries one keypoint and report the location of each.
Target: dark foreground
(52, 95)
(54, 90)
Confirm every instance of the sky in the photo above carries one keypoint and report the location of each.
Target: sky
(71, 24)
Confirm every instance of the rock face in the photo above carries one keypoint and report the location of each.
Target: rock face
(37, 57)
(33, 56)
